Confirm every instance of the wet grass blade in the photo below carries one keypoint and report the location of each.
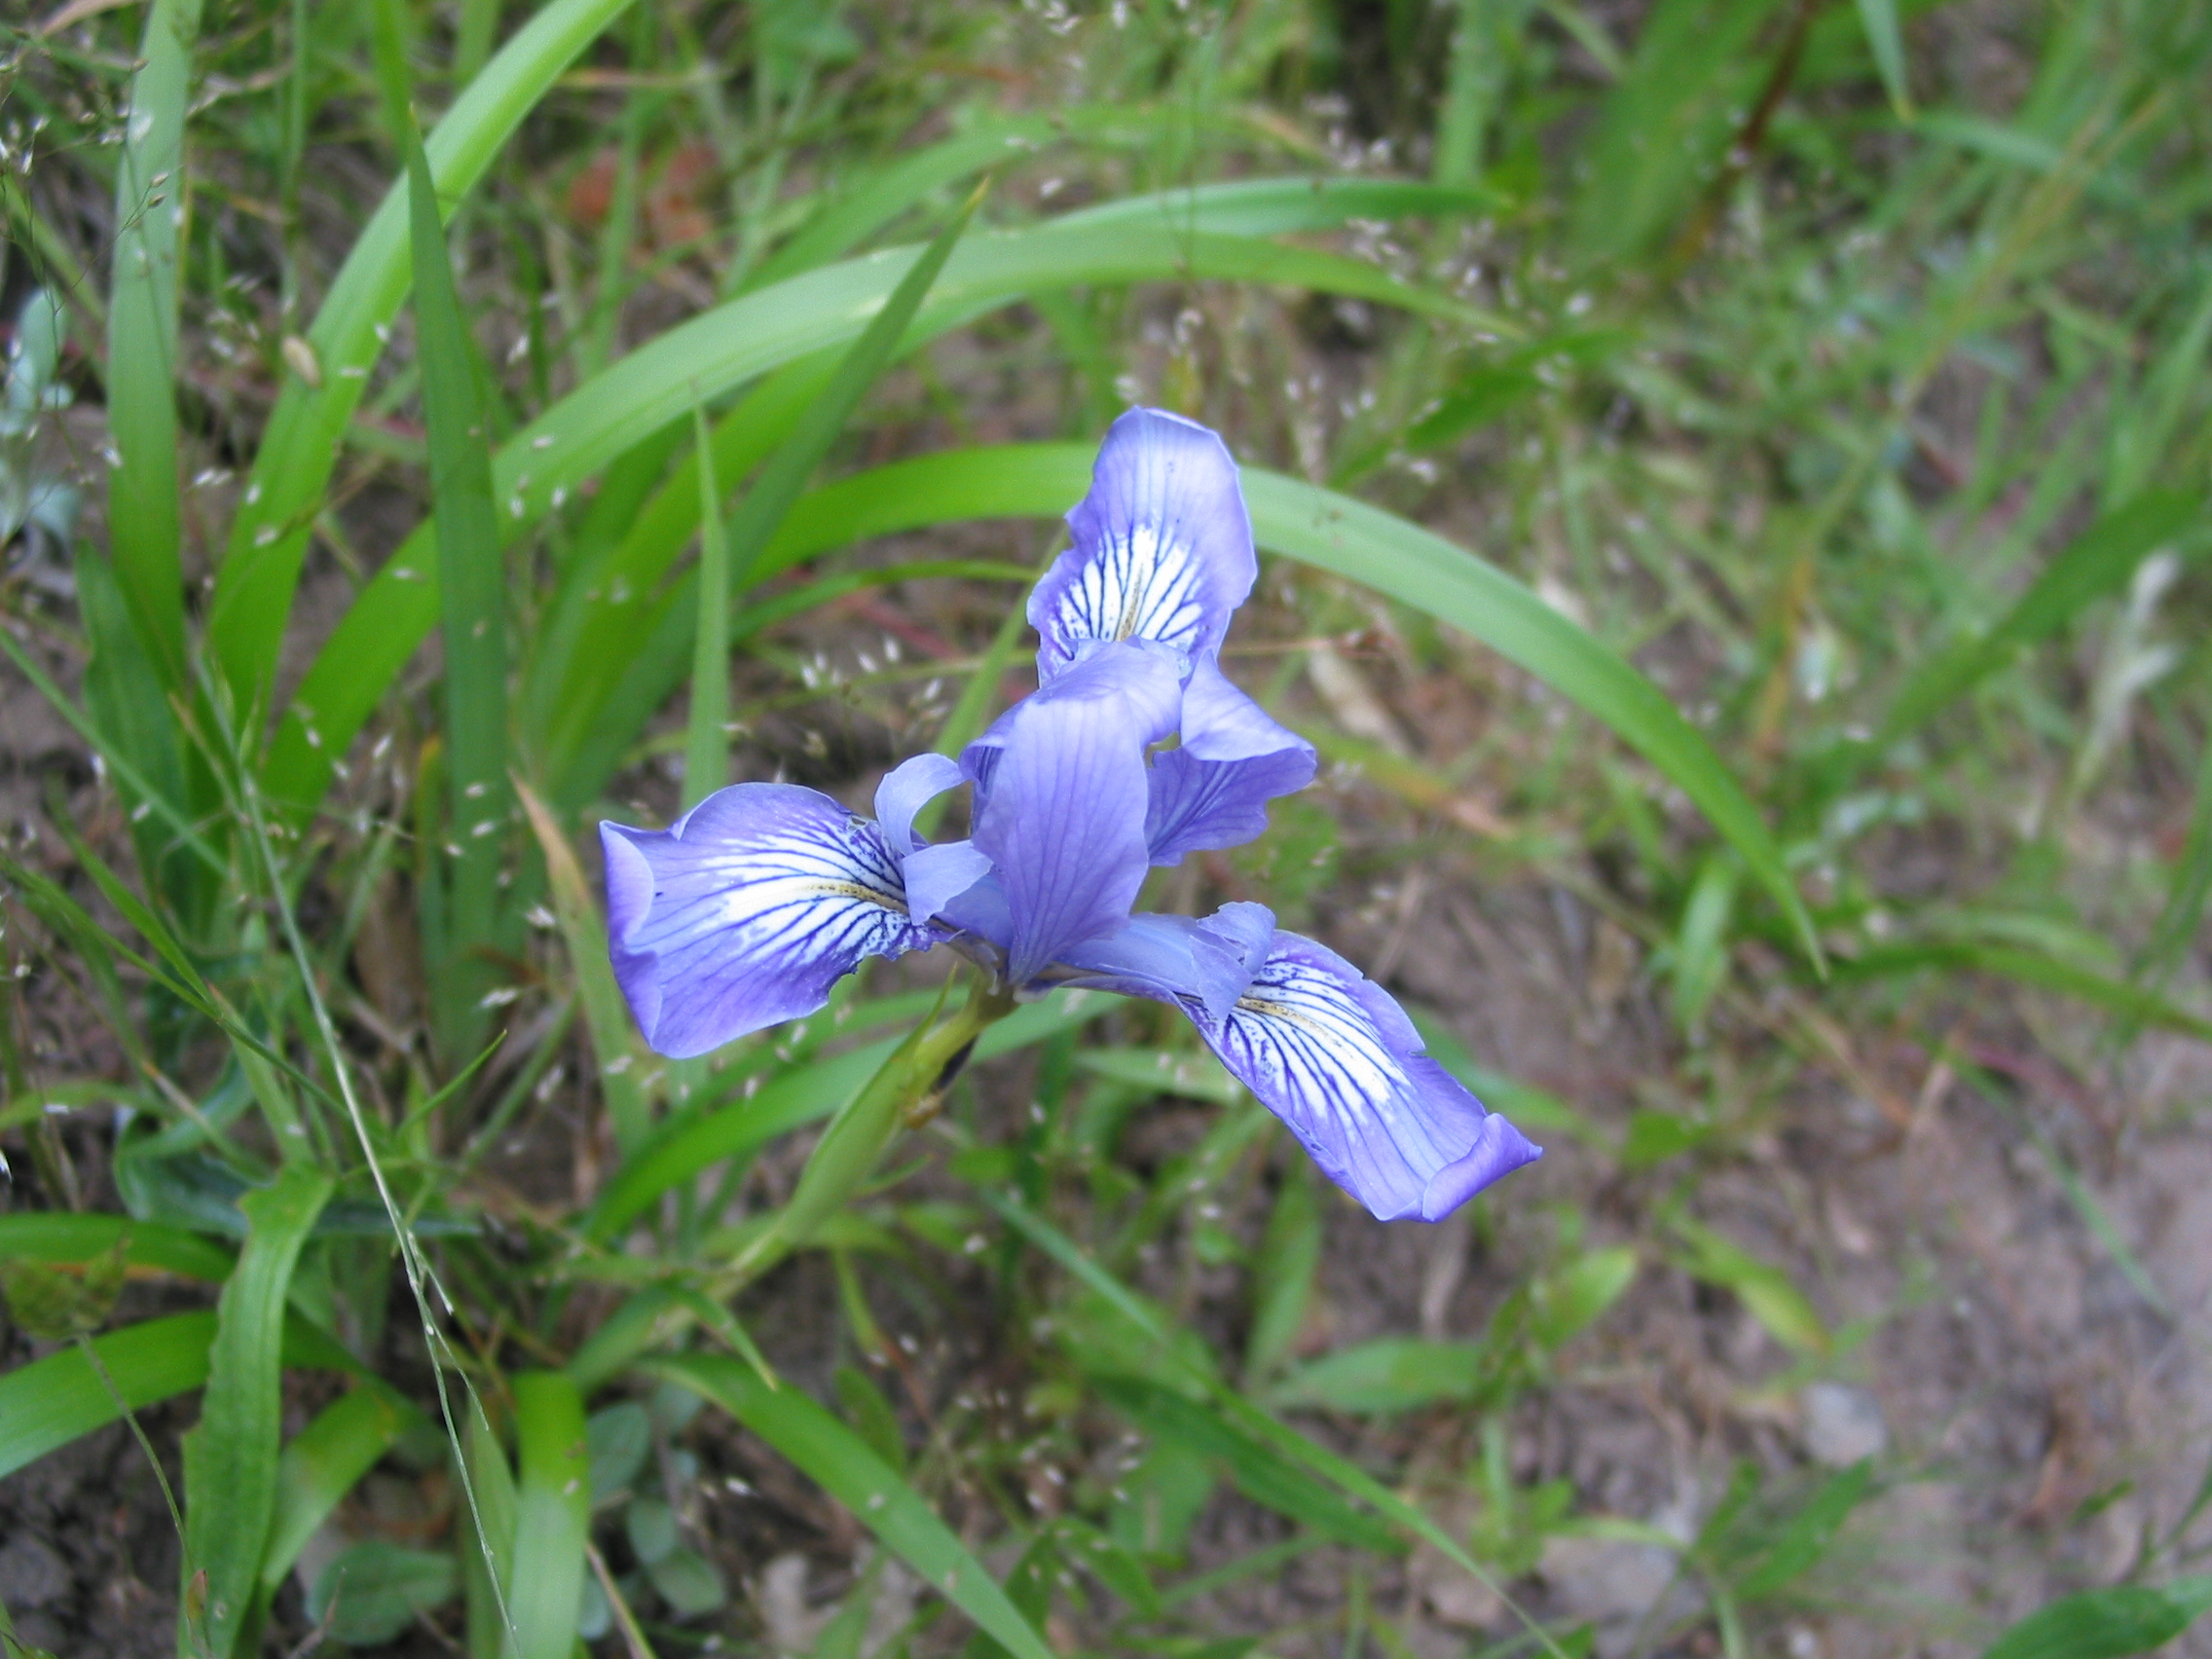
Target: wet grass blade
(844, 1465)
(322, 1464)
(472, 588)
(552, 1516)
(269, 537)
(230, 1458)
(144, 516)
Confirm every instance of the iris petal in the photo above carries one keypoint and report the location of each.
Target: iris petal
(905, 791)
(1329, 1053)
(1063, 816)
(746, 912)
(1162, 546)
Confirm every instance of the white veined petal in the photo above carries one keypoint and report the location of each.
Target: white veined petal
(1137, 585)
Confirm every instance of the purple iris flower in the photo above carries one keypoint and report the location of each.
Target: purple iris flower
(1134, 750)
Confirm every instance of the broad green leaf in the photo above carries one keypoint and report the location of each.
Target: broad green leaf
(57, 1236)
(2106, 1624)
(486, 1527)
(300, 443)
(552, 1516)
(371, 1592)
(472, 590)
(1390, 1374)
(1282, 1274)
(320, 1466)
(144, 517)
(231, 1457)
(840, 1462)
(2097, 563)
(1763, 1288)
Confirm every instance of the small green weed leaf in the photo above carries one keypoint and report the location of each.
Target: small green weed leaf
(840, 1462)
(320, 1466)
(651, 1527)
(230, 1458)
(619, 1439)
(1390, 1374)
(689, 1582)
(1654, 1136)
(1763, 1288)
(54, 1301)
(1157, 1502)
(552, 1516)
(2106, 1624)
(1566, 1302)
(371, 1591)
(1807, 1535)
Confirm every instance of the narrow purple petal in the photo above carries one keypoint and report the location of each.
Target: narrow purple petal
(746, 912)
(1332, 1056)
(1063, 821)
(905, 791)
(1214, 790)
(1163, 545)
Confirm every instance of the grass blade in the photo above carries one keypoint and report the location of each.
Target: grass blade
(52, 1401)
(269, 537)
(849, 1470)
(229, 1459)
(552, 1517)
(471, 584)
(613, 1036)
(144, 516)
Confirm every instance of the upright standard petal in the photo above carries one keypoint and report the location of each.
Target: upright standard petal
(747, 910)
(1214, 790)
(1063, 816)
(1329, 1053)
(1162, 546)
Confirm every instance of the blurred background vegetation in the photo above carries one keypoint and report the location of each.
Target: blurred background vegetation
(1732, 474)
